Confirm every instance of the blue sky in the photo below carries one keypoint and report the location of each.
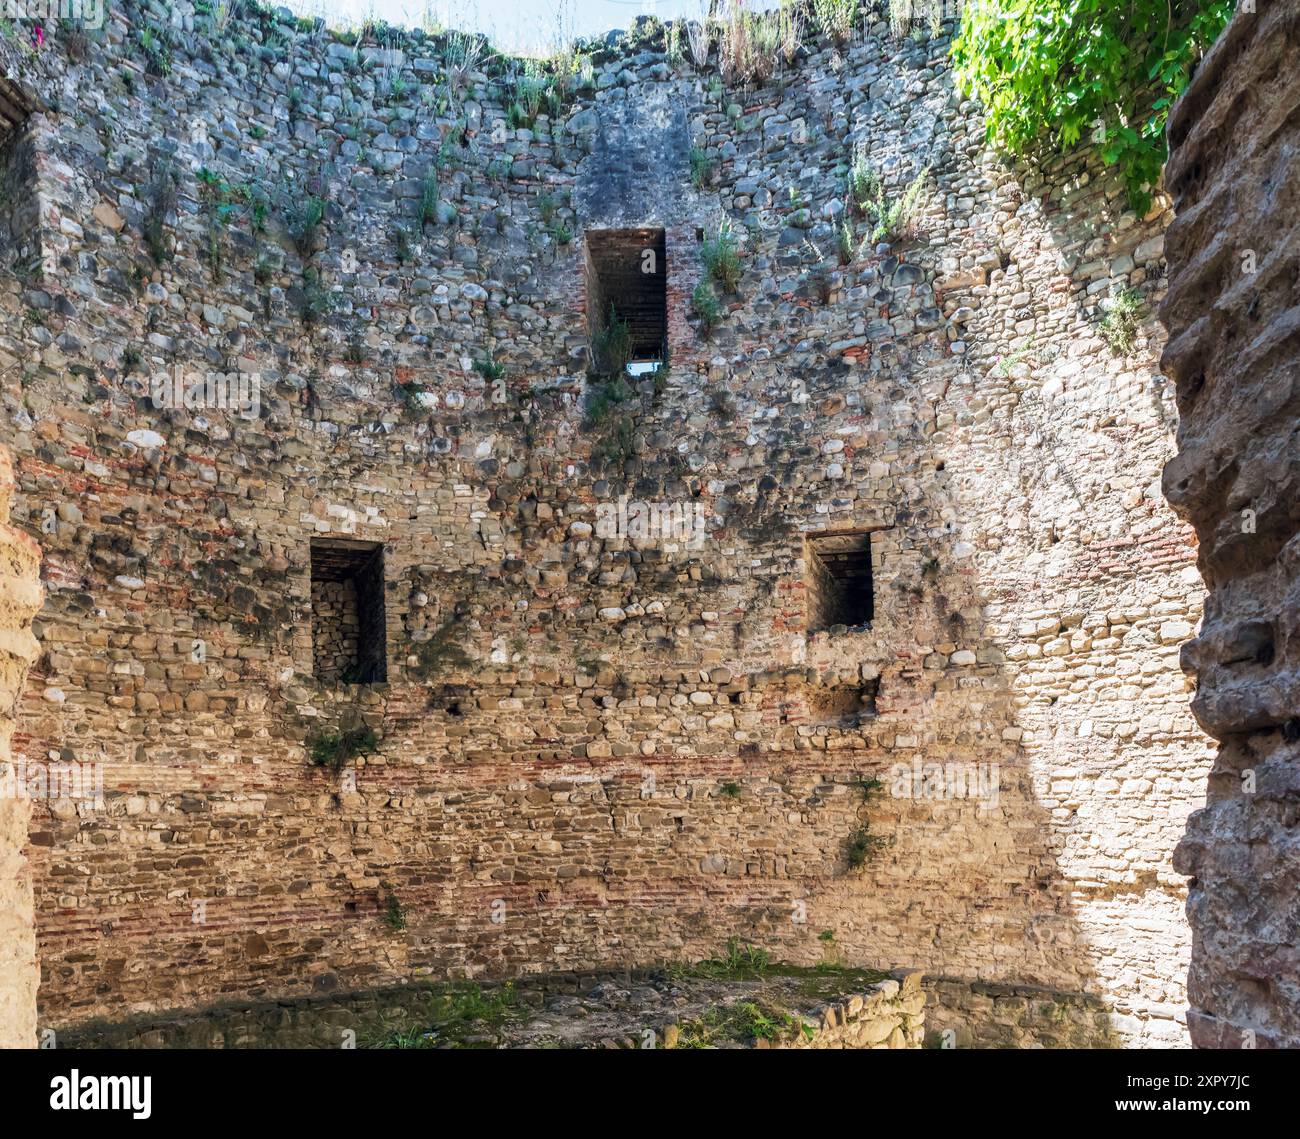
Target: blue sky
(514, 25)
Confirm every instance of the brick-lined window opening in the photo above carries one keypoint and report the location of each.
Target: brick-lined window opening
(627, 279)
(839, 582)
(347, 612)
(19, 205)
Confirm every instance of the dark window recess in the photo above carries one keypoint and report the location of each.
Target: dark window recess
(19, 202)
(627, 297)
(15, 107)
(839, 581)
(348, 634)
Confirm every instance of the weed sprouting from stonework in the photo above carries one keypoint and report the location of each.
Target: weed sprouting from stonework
(744, 1021)
(332, 748)
(314, 301)
(835, 18)
(616, 445)
(739, 960)
(611, 346)
(488, 367)
(722, 404)
(1119, 325)
(157, 51)
(457, 1014)
(707, 308)
(862, 844)
(402, 244)
(721, 258)
(889, 219)
(302, 219)
(394, 911)
(426, 210)
(701, 167)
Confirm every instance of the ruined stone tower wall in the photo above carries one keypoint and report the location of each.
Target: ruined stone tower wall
(1234, 353)
(20, 598)
(593, 749)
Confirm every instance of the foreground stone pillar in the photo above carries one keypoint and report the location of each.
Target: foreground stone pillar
(1233, 314)
(20, 598)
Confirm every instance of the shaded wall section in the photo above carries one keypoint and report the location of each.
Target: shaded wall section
(1234, 352)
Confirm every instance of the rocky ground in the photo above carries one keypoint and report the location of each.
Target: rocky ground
(701, 1007)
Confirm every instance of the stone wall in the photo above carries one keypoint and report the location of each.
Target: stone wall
(597, 749)
(20, 598)
(980, 1014)
(1234, 353)
(890, 1014)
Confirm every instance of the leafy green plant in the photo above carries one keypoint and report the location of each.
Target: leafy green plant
(721, 258)
(402, 244)
(426, 208)
(332, 748)
(846, 244)
(394, 911)
(707, 308)
(487, 366)
(862, 844)
(739, 961)
(759, 1019)
(1055, 72)
(1119, 325)
(616, 445)
(835, 18)
(157, 51)
(701, 167)
(889, 219)
(612, 346)
(303, 214)
(730, 790)
(454, 1013)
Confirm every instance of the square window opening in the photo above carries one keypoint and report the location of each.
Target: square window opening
(348, 633)
(627, 300)
(839, 582)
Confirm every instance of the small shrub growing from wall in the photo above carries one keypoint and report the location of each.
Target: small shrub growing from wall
(1119, 325)
(394, 911)
(333, 748)
(611, 347)
(705, 303)
(888, 219)
(721, 258)
(862, 844)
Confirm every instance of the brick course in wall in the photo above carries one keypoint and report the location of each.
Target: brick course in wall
(594, 750)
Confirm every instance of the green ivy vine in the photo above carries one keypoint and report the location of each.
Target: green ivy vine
(1052, 73)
